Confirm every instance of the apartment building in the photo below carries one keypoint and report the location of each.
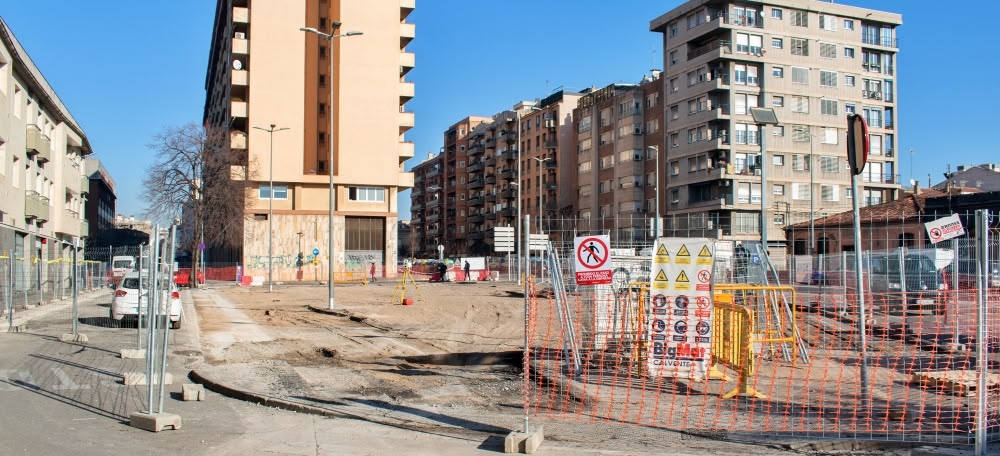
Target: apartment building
(475, 184)
(264, 70)
(813, 62)
(42, 173)
(100, 205)
(618, 137)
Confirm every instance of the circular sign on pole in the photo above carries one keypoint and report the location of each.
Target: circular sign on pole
(592, 253)
(592, 260)
(315, 251)
(201, 246)
(857, 143)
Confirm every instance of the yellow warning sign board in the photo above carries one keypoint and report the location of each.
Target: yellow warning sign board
(683, 251)
(705, 252)
(704, 256)
(682, 277)
(662, 256)
(660, 282)
(682, 282)
(683, 255)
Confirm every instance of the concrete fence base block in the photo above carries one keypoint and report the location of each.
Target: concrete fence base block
(79, 338)
(132, 353)
(154, 422)
(519, 442)
(192, 392)
(139, 378)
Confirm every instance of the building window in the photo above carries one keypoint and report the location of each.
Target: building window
(828, 23)
(322, 52)
(800, 18)
(849, 80)
(850, 108)
(777, 101)
(674, 112)
(828, 107)
(829, 164)
(828, 50)
(848, 24)
(828, 78)
(800, 104)
(776, 13)
(800, 46)
(800, 75)
(778, 72)
(322, 80)
(778, 160)
(778, 130)
(830, 192)
(777, 43)
(369, 194)
(849, 52)
(673, 57)
(779, 219)
(799, 163)
(280, 192)
(675, 168)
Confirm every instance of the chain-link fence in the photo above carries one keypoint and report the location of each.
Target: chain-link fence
(802, 345)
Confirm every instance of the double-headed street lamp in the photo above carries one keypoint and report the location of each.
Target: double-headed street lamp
(329, 163)
(270, 204)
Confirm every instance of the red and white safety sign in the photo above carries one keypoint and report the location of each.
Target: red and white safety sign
(592, 257)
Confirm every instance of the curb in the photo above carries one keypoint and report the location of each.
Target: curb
(261, 399)
(335, 312)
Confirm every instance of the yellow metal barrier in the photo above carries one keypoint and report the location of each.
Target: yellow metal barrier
(740, 335)
(731, 343)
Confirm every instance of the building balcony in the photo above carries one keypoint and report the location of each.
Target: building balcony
(407, 32)
(433, 202)
(508, 194)
(478, 218)
(84, 228)
(241, 15)
(407, 61)
(37, 144)
(708, 52)
(491, 160)
(241, 46)
(475, 166)
(406, 121)
(476, 201)
(491, 198)
(406, 7)
(508, 174)
(433, 216)
(406, 151)
(406, 91)
(240, 77)
(476, 148)
(474, 184)
(432, 172)
(477, 236)
(508, 212)
(36, 206)
(509, 154)
(550, 144)
(237, 139)
(84, 184)
(491, 216)
(238, 108)
(491, 143)
(491, 179)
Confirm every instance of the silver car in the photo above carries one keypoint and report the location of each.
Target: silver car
(125, 303)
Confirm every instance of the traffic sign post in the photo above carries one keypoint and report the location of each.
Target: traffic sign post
(592, 257)
(944, 228)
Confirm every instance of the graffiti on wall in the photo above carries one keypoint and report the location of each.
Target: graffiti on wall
(353, 260)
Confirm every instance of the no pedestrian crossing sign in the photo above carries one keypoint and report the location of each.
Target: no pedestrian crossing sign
(592, 265)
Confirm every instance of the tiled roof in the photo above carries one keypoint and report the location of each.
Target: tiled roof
(900, 209)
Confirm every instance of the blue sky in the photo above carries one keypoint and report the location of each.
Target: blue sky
(127, 69)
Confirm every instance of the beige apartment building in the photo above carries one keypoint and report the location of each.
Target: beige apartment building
(264, 70)
(813, 62)
(43, 180)
(472, 186)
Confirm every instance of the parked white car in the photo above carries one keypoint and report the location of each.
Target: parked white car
(125, 303)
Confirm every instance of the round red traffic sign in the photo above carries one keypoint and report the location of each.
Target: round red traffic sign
(704, 276)
(936, 234)
(592, 253)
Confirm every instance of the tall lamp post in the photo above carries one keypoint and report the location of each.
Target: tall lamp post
(270, 203)
(812, 198)
(329, 163)
(763, 117)
(656, 190)
(518, 237)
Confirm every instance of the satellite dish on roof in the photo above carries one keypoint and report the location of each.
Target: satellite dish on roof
(237, 65)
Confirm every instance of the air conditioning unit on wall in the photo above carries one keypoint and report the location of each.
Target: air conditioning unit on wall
(240, 35)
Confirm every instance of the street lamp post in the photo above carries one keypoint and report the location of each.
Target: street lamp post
(520, 253)
(656, 190)
(763, 117)
(329, 163)
(812, 198)
(270, 203)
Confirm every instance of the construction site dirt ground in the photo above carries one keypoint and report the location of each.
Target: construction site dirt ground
(450, 363)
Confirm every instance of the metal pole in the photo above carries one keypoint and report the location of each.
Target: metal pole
(527, 250)
(954, 286)
(329, 168)
(151, 316)
(526, 366)
(138, 324)
(863, 314)
(812, 199)
(76, 301)
(656, 190)
(270, 211)
(982, 362)
(520, 252)
(166, 319)
(763, 194)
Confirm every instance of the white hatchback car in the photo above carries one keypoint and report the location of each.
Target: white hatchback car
(126, 300)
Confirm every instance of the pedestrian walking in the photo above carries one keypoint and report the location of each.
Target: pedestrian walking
(372, 272)
(468, 268)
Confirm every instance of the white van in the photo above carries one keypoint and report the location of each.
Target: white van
(120, 265)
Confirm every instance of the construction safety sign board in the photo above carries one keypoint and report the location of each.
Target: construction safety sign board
(593, 265)
(680, 315)
(944, 228)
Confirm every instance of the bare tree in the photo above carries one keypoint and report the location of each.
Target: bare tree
(199, 179)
